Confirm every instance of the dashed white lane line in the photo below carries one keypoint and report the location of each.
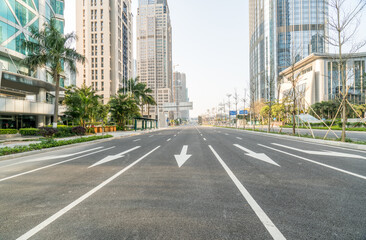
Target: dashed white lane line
(175, 135)
(136, 140)
(205, 139)
(239, 138)
(57, 215)
(54, 164)
(226, 134)
(267, 222)
(168, 139)
(312, 161)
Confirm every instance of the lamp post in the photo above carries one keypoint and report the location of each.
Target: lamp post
(229, 96)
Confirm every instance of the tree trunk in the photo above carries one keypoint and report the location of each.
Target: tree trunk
(294, 112)
(269, 119)
(148, 110)
(57, 93)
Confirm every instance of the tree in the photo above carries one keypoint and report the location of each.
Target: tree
(122, 108)
(344, 18)
(82, 104)
(50, 48)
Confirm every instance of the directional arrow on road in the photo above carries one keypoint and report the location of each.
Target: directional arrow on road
(183, 157)
(323, 153)
(260, 156)
(62, 156)
(114, 157)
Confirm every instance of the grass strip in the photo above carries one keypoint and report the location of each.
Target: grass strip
(49, 143)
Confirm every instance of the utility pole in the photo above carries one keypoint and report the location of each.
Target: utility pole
(244, 101)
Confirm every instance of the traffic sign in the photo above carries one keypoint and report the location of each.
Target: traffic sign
(233, 113)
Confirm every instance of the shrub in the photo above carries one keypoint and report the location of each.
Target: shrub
(90, 130)
(64, 131)
(80, 131)
(8, 131)
(47, 132)
(29, 131)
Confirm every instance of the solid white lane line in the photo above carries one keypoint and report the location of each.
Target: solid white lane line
(268, 224)
(239, 138)
(312, 161)
(57, 215)
(136, 140)
(51, 157)
(51, 165)
(114, 157)
(168, 139)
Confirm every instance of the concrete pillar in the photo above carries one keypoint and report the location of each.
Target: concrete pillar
(41, 96)
(41, 121)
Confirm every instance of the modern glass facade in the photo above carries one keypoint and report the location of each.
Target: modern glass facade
(17, 18)
(281, 33)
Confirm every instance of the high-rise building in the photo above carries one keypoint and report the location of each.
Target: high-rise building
(154, 50)
(104, 30)
(281, 33)
(26, 97)
(180, 94)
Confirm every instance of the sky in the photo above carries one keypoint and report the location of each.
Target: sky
(210, 44)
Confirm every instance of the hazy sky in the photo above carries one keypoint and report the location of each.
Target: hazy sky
(210, 44)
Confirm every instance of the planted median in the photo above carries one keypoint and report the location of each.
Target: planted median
(49, 143)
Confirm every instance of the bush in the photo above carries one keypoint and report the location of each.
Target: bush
(80, 131)
(64, 131)
(49, 143)
(29, 131)
(8, 131)
(90, 130)
(47, 132)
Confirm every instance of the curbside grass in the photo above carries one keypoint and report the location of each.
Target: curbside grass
(48, 144)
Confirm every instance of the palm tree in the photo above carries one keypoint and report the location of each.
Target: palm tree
(150, 101)
(82, 104)
(123, 107)
(50, 48)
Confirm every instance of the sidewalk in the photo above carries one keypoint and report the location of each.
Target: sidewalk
(26, 141)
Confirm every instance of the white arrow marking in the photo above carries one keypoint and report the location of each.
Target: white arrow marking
(114, 157)
(260, 156)
(183, 157)
(325, 153)
(62, 156)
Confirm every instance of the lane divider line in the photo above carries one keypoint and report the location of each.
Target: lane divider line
(54, 164)
(266, 221)
(57, 215)
(318, 163)
(168, 139)
(136, 140)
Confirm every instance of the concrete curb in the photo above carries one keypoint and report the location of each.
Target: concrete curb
(325, 142)
(30, 153)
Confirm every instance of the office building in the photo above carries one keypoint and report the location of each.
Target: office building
(180, 94)
(281, 33)
(104, 30)
(154, 50)
(318, 79)
(26, 97)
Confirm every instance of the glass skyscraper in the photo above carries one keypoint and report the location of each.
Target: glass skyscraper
(283, 32)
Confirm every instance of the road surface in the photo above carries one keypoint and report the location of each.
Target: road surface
(186, 183)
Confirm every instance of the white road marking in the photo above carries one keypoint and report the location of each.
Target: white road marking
(183, 157)
(136, 140)
(57, 215)
(168, 139)
(312, 161)
(266, 221)
(114, 157)
(260, 156)
(175, 135)
(54, 164)
(51, 157)
(322, 153)
(205, 139)
(226, 134)
(239, 138)
(151, 135)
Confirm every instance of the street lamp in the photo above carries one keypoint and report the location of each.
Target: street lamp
(229, 96)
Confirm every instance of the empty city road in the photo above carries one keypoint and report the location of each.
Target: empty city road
(186, 183)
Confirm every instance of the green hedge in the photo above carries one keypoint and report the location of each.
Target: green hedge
(8, 131)
(48, 144)
(29, 131)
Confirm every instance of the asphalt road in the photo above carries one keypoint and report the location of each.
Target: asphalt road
(230, 185)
